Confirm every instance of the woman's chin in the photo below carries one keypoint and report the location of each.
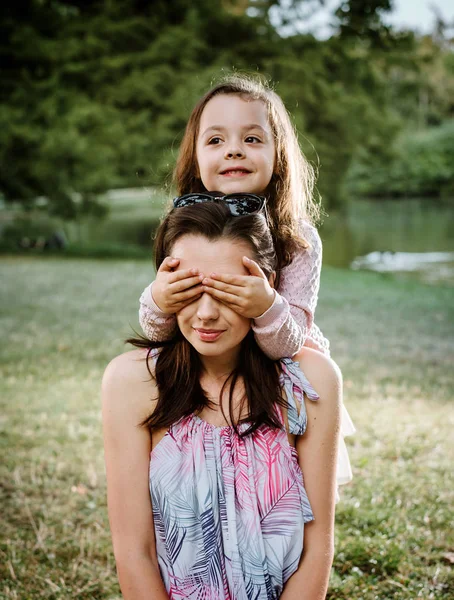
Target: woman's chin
(211, 348)
(219, 348)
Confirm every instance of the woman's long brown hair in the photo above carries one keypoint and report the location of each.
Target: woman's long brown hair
(178, 368)
(290, 192)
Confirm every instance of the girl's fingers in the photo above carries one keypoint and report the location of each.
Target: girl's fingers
(253, 267)
(182, 305)
(197, 290)
(168, 264)
(239, 280)
(224, 297)
(184, 284)
(235, 290)
(182, 274)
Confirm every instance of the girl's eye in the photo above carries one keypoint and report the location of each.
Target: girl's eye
(252, 139)
(214, 140)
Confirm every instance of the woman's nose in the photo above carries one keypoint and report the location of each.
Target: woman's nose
(207, 308)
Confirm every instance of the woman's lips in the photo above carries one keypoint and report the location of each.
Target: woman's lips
(209, 335)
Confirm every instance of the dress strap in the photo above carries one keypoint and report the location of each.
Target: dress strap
(153, 353)
(296, 386)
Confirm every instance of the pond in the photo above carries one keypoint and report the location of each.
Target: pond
(411, 238)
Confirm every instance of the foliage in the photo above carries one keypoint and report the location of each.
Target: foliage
(422, 91)
(359, 18)
(63, 320)
(422, 164)
(328, 88)
(26, 231)
(95, 95)
(126, 231)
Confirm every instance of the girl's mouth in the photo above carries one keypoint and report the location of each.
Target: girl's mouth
(235, 172)
(209, 335)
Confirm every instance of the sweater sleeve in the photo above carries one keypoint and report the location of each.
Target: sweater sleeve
(286, 326)
(156, 325)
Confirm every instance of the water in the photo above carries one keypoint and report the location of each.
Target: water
(407, 238)
(410, 238)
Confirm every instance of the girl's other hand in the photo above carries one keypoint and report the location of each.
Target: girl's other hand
(173, 290)
(248, 295)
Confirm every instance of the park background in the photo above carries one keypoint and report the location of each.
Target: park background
(94, 97)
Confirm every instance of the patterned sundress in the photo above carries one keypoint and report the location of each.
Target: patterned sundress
(229, 512)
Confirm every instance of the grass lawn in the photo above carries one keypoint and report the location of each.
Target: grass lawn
(63, 320)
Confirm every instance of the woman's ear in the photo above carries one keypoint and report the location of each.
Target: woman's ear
(272, 279)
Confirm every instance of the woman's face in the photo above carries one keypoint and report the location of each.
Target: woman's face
(212, 328)
(235, 145)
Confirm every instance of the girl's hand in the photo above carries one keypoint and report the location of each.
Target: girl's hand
(173, 290)
(248, 295)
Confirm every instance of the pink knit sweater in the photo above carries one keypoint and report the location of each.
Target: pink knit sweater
(287, 325)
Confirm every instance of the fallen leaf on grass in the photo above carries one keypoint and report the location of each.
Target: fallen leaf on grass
(449, 557)
(11, 570)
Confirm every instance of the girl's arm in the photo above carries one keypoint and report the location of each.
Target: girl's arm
(126, 394)
(169, 293)
(156, 325)
(283, 329)
(317, 456)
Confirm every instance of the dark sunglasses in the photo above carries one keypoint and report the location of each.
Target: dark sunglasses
(238, 204)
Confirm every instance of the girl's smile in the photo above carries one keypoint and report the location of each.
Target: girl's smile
(235, 172)
(235, 146)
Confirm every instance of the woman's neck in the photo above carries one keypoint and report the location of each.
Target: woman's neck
(213, 378)
(218, 368)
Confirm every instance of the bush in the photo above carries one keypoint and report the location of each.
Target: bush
(33, 231)
(422, 164)
(107, 250)
(121, 235)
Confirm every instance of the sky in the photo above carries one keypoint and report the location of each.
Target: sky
(417, 14)
(413, 14)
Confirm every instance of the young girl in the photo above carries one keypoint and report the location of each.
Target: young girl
(232, 433)
(239, 138)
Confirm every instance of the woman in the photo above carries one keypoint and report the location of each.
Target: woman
(207, 439)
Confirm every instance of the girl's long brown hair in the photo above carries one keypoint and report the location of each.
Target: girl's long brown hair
(178, 367)
(290, 192)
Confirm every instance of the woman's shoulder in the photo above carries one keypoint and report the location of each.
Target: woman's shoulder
(127, 384)
(126, 368)
(322, 372)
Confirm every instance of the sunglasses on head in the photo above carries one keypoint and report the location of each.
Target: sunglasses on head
(238, 204)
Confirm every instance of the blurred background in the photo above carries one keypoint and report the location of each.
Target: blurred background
(94, 98)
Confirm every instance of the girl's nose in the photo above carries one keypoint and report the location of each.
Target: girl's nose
(207, 308)
(234, 151)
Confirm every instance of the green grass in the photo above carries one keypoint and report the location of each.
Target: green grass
(63, 320)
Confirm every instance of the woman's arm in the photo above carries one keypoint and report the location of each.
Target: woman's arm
(317, 455)
(126, 395)
(284, 328)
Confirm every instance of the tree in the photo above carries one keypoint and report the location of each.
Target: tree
(97, 91)
(96, 94)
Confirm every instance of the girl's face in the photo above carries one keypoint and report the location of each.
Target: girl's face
(213, 329)
(235, 146)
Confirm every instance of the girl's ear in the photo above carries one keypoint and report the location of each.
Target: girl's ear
(272, 279)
